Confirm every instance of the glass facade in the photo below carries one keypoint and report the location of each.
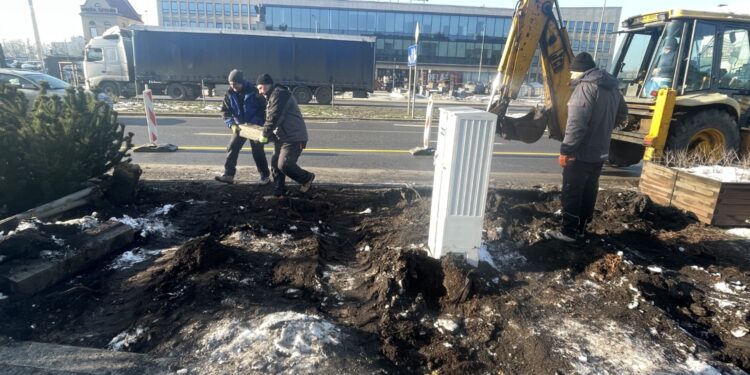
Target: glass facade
(444, 38)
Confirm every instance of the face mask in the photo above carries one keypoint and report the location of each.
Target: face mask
(575, 75)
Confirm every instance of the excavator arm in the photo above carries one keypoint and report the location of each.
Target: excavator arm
(536, 23)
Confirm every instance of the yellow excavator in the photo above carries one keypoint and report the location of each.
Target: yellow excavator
(698, 98)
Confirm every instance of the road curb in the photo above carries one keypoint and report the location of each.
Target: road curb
(206, 115)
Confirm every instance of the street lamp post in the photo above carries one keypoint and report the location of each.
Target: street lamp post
(39, 53)
(481, 57)
(599, 32)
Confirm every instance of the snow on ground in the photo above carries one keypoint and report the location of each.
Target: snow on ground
(152, 223)
(3, 296)
(501, 257)
(287, 341)
(86, 222)
(132, 257)
(610, 348)
(125, 339)
(740, 232)
(721, 173)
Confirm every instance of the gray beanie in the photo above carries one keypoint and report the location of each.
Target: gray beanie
(236, 75)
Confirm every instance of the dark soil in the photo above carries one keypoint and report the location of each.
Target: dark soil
(650, 291)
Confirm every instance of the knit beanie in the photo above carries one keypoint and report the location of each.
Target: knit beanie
(236, 75)
(264, 79)
(582, 63)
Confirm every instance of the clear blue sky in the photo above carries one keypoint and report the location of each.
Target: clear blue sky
(59, 19)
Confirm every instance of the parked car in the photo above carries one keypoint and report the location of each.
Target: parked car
(29, 82)
(32, 65)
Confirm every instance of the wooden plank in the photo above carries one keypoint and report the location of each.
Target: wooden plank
(252, 132)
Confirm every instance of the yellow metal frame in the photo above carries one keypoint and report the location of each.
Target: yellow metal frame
(656, 138)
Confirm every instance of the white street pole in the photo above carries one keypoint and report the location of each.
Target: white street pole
(599, 32)
(39, 53)
(481, 56)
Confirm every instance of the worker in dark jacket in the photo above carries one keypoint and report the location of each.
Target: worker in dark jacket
(594, 108)
(242, 104)
(285, 125)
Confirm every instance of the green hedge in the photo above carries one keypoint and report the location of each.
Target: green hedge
(50, 148)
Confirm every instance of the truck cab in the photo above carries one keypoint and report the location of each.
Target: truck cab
(705, 58)
(108, 65)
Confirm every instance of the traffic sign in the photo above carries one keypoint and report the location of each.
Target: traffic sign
(412, 55)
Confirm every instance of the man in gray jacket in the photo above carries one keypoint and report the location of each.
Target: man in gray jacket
(285, 125)
(594, 108)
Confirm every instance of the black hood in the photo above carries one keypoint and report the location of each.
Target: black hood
(599, 77)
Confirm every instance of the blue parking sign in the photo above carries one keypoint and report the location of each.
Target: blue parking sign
(412, 55)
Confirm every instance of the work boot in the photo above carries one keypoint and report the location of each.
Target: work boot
(264, 180)
(225, 179)
(307, 185)
(557, 235)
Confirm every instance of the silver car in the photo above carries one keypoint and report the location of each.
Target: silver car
(29, 83)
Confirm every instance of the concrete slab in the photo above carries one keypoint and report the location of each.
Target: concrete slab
(28, 276)
(35, 358)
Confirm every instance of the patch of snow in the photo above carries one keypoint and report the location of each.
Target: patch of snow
(182, 371)
(292, 227)
(724, 288)
(25, 225)
(636, 295)
(740, 232)
(285, 342)
(720, 173)
(128, 259)
(558, 213)
(654, 269)
(682, 249)
(3, 296)
(502, 257)
(151, 224)
(315, 230)
(163, 210)
(366, 212)
(125, 339)
(86, 222)
(740, 332)
(444, 325)
(608, 347)
(447, 345)
(58, 241)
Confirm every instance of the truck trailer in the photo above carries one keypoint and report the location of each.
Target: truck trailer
(178, 63)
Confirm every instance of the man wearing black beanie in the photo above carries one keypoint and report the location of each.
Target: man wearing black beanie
(595, 107)
(243, 105)
(284, 124)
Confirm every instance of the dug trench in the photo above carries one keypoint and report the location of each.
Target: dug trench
(224, 280)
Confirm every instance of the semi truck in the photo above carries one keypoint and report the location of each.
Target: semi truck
(180, 63)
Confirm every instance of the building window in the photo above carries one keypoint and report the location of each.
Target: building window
(174, 7)
(219, 25)
(193, 24)
(183, 24)
(235, 9)
(210, 9)
(183, 8)
(244, 10)
(92, 31)
(595, 27)
(201, 25)
(227, 9)
(245, 26)
(610, 27)
(606, 46)
(586, 27)
(201, 8)
(192, 7)
(579, 26)
(236, 26)
(165, 6)
(167, 23)
(228, 26)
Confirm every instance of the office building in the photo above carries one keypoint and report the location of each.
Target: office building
(99, 15)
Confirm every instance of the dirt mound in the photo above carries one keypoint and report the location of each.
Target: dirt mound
(342, 281)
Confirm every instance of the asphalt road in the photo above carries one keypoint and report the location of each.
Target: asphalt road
(380, 145)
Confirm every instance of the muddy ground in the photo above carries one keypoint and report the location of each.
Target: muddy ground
(226, 281)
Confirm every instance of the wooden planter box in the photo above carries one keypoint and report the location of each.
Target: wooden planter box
(712, 202)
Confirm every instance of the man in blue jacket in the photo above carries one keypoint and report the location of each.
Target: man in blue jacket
(594, 108)
(242, 104)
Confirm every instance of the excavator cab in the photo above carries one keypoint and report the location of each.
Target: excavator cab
(705, 58)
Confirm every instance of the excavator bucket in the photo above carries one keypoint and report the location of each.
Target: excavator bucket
(528, 129)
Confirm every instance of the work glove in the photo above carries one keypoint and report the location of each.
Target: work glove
(235, 129)
(229, 122)
(263, 139)
(565, 160)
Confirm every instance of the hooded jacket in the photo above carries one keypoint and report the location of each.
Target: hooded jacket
(246, 106)
(283, 117)
(594, 108)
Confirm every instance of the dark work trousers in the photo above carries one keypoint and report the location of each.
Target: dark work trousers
(233, 152)
(579, 191)
(284, 163)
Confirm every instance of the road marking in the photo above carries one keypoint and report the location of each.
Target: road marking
(409, 125)
(369, 151)
(325, 130)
